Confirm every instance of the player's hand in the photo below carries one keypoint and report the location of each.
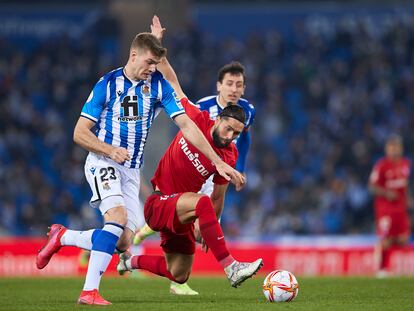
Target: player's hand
(391, 195)
(119, 155)
(230, 174)
(245, 181)
(156, 28)
(238, 179)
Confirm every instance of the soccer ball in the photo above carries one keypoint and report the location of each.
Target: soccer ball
(280, 286)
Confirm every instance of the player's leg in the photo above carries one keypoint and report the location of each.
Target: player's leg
(104, 181)
(146, 231)
(130, 188)
(142, 234)
(382, 254)
(175, 288)
(179, 266)
(160, 214)
(104, 177)
(191, 206)
(401, 228)
(175, 265)
(135, 210)
(382, 248)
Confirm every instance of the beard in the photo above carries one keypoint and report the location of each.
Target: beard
(218, 142)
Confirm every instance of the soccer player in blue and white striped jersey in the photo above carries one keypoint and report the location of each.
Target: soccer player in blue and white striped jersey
(231, 84)
(114, 126)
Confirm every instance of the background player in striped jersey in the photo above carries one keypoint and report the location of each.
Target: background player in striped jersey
(121, 108)
(231, 84)
(230, 88)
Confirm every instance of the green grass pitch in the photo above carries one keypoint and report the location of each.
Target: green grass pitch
(152, 293)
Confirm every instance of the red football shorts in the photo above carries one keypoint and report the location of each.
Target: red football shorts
(160, 214)
(392, 224)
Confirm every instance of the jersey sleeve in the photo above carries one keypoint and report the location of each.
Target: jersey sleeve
(243, 146)
(376, 175)
(252, 112)
(169, 101)
(190, 109)
(96, 101)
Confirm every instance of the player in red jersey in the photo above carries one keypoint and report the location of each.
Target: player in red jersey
(180, 213)
(389, 182)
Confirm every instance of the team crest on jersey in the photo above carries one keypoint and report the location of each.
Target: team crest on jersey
(145, 90)
(106, 186)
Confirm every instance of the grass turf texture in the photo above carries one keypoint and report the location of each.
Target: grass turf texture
(215, 294)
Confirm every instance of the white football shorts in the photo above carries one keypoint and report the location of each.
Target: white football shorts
(110, 179)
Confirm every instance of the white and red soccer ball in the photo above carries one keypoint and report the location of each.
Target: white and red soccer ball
(280, 286)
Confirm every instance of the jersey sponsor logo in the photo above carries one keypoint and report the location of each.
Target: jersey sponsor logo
(193, 157)
(130, 109)
(396, 183)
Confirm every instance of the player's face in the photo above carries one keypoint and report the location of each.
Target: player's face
(393, 149)
(231, 88)
(144, 63)
(225, 131)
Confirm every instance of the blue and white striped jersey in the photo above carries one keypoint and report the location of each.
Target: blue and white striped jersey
(212, 105)
(124, 110)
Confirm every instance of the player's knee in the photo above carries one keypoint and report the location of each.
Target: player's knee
(118, 215)
(204, 204)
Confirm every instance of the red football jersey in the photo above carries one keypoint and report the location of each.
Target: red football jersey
(183, 168)
(392, 175)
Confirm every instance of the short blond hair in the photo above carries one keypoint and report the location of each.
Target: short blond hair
(147, 41)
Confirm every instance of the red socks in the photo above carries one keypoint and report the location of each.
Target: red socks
(154, 264)
(211, 231)
(385, 259)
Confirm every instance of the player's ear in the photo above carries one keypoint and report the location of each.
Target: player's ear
(217, 121)
(218, 85)
(133, 55)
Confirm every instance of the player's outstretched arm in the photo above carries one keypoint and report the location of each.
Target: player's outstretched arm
(169, 74)
(164, 66)
(83, 136)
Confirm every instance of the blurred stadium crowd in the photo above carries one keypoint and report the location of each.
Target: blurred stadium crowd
(326, 99)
